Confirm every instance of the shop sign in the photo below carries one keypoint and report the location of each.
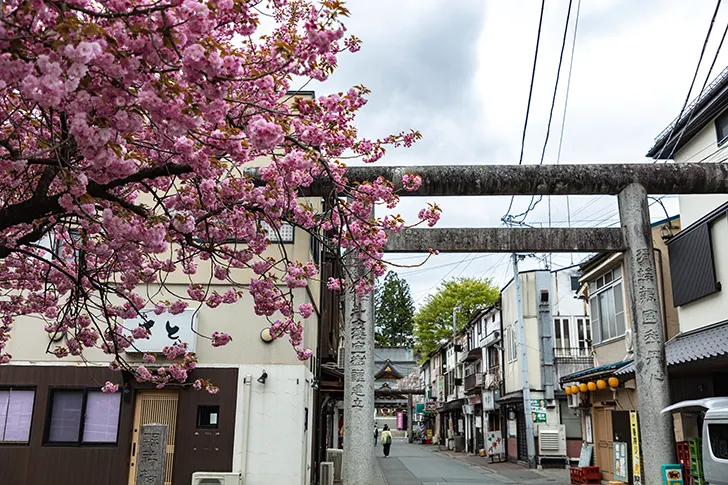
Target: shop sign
(635, 435)
(672, 475)
(164, 330)
(494, 443)
(538, 410)
(488, 401)
(474, 399)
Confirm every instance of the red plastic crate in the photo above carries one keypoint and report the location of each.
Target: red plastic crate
(577, 476)
(591, 475)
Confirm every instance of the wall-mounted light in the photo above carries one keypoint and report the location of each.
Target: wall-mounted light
(263, 377)
(265, 335)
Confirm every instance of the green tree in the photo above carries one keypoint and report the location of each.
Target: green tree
(394, 312)
(433, 321)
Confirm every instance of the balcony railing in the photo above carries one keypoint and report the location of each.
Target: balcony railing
(492, 377)
(573, 355)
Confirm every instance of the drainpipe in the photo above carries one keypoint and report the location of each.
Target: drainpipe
(246, 427)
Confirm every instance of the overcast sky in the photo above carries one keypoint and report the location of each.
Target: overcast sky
(459, 72)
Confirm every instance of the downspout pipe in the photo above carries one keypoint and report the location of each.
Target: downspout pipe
(248, 394)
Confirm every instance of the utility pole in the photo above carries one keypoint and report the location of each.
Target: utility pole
(530, 444)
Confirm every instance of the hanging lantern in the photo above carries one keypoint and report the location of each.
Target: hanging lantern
(574, 389)
(592, 386)
(601, 384)
(613, 382)
(582, 387)
(568, 390)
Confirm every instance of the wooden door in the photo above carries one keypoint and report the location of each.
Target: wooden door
(603, 440)
(154, 407)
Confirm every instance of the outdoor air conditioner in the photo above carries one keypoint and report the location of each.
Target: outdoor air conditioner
(326, 477)
(337, 458)
(552, 440)
(341, 357)
(216, 478)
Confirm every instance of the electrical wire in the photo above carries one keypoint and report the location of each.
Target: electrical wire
(530, 96)
(532, 204)
(692, 83)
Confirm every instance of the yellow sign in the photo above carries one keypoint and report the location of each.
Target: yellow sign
(635, 432)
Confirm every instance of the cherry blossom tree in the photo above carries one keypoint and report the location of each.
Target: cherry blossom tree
(127, 131)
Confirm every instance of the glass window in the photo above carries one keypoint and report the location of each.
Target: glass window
(607, 309)
(102, 417)
(66, 416)
(721, 126)
(718, 434)
(84, 417)
(16, 413)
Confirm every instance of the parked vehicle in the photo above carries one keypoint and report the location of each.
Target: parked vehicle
(715, 436)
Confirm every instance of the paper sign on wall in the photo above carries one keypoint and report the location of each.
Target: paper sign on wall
(538, 410)
(620, 461)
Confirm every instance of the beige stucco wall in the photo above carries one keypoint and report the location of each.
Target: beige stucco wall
(29, 340)
(693, 207)
(512, 370)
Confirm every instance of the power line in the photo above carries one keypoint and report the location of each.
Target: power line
(668, 139)
(530, 95)
(532, 205)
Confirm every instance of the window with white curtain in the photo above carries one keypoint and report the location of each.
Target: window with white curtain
(606, 299)
(16, 414)
(83, 417)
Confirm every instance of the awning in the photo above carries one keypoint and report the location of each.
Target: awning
(451, 406)
(473, 355)
(702, 344)
(511, 397)
(595, 371)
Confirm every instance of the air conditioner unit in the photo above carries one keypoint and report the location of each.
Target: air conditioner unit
(337, 458)
(573, 400)
(216, 478)
(326, 477)
(552, 440)
(341, 357)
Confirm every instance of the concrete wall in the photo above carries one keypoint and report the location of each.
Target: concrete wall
(563, 300)
(29, 340)
(712, 308)
(693, 207)
(279, 444)
(512, 370)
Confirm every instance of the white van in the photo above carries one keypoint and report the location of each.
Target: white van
(715, 436)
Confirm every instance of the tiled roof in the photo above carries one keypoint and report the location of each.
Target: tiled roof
(705, 343)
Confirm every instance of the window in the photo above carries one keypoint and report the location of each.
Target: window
(512, 343)
(607, 306)
(718, 434)
(16, 413)
(691, 265)
(575, 285)
(83, 417)
(721, 127)
(583, 333)
(561, 334)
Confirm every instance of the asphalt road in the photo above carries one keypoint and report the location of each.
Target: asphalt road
(413, 464)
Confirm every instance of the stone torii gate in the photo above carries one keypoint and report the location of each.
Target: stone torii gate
(631, 182)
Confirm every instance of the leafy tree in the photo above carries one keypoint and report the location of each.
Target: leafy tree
(127, 132)
(433, 321)
(395, 310)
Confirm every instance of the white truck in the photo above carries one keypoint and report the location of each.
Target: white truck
(715, 435)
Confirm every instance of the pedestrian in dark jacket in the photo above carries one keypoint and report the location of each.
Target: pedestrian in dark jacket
(386, 440)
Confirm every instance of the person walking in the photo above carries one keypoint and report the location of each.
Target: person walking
(376, 433)
(386, 440)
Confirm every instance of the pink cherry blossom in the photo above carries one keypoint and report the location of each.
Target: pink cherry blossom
(129, 131)
(110, 388)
